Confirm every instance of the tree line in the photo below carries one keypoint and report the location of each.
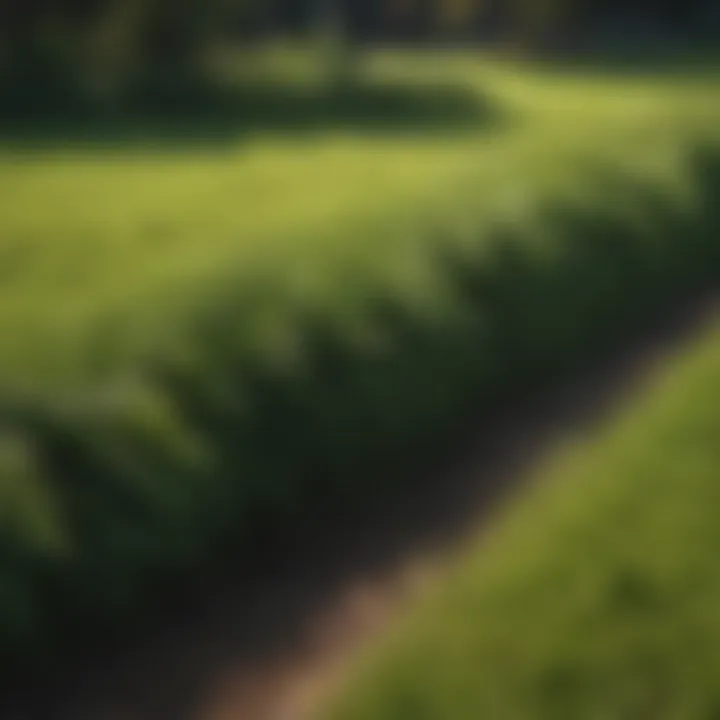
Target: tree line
(44, 40)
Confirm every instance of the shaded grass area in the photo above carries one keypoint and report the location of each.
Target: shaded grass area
(220, 117)
(596, 597)
(283, 614)
(191, 361)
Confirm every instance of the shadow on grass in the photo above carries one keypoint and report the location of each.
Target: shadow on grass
(244, 645)
(206, 118)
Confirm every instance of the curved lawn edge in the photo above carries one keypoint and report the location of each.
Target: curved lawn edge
(595, 596)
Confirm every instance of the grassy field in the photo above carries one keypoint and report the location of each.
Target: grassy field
(597, 597)
(225, 329)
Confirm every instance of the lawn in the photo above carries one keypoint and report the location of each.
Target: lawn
(213, 326)
(107, 248)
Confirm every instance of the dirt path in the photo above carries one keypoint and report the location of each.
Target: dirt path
(269, 648)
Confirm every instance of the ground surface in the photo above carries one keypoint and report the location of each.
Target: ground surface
(271, 646)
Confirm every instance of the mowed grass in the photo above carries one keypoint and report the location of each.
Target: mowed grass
(91, 238)
(205, 338)
(596, 596)
(106, 253)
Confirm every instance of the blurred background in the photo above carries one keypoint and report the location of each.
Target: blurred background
(272, 270)
(59, 54)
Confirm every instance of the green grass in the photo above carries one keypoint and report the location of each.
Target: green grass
(198, 341)
(123, 242)
(597, 596)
